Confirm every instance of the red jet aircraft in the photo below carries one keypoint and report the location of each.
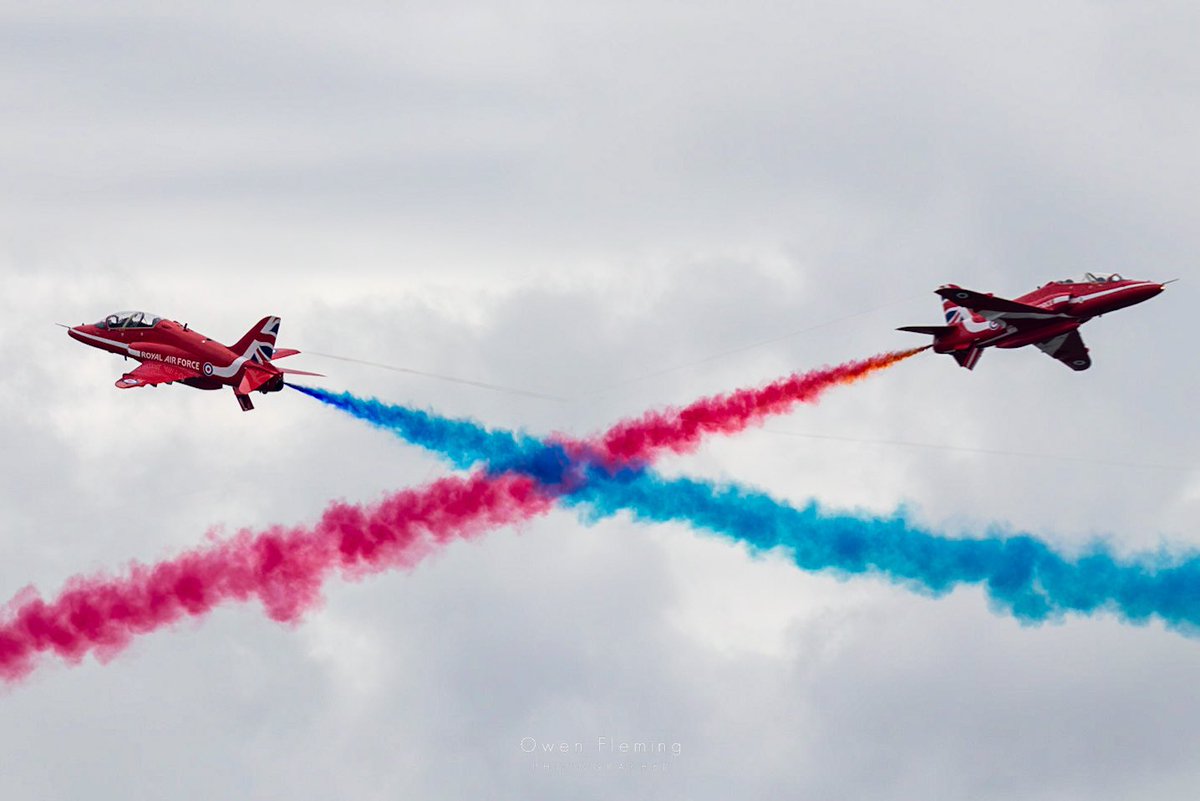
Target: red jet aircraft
(170, 352)
(1048, 318)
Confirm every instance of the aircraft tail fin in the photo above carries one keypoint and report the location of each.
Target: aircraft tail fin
(959, 316)
(259, 342)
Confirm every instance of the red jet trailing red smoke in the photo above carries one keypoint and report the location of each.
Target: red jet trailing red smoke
(1048, 318)
(170, 352)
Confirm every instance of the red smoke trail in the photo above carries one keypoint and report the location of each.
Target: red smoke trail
(282, 567)
(680, 430)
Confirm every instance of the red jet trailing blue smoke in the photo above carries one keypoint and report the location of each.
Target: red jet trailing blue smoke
(1047, 318)
(170, 352)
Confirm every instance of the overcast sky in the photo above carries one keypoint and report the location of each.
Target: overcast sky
(599, 201)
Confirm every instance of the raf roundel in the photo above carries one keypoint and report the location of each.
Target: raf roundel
(208, 368)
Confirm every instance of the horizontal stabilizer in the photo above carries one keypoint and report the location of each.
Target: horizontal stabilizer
(253, 378)
(297, 372)
(281, 353)
(967, 358)
(933, 330)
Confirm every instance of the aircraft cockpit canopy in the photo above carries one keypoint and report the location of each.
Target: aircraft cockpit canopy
(1093, 278)
(129, 319)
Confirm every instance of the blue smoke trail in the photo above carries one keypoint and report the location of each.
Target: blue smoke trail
(462, 442)
(1020, 574)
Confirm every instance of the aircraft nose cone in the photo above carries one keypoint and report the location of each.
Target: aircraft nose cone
(1145, 291)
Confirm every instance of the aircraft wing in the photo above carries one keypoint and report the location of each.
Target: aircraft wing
(153, 373)
(1068, 348)
(1011, 313)
(1009, 309)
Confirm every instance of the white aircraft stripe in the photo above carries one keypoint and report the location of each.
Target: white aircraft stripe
(1113, 291)
(231, 370)
(223, 372)
(101, 339)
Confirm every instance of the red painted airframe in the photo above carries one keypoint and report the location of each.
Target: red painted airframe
(171, 352)
(1047, 318)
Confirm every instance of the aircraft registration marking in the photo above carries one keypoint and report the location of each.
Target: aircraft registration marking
(177, 361)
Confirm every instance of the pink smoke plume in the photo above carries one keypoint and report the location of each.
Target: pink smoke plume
(680, 430)
(282, 567)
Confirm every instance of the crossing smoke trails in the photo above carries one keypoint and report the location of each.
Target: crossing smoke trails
(283, 568)
(1020, 574)
(632, 441)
